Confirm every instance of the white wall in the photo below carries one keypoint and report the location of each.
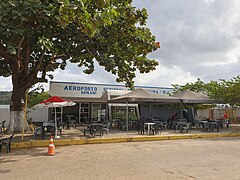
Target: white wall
(202, 113)
(233, 114)
(38, 114)
(5, 114)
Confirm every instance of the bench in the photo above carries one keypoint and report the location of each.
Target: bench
(6, 141)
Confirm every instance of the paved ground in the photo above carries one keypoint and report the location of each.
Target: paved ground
(78, 133)
(182, 159)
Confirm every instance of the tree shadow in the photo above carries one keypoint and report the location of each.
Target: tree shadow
(5, 160)
(5, 171)
(13, 156)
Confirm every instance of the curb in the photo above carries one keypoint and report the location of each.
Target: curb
(68, 142)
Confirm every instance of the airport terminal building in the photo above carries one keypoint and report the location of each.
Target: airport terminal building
(92, 101)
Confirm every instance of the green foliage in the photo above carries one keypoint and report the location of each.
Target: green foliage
(39, 36)
(227, 91)
(119, 115)
(198, 86)
(5, 97)
(35, 98)
(122, 115)
(132, 117)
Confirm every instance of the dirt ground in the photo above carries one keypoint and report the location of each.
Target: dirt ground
(180, 159)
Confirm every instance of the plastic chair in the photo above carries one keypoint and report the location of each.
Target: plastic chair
(156, 128)
(106, 128)
(123, 126)
(2, 128)
(87, 129)
(186, 128)
(97, 128)
(140, 127)
(7, 143)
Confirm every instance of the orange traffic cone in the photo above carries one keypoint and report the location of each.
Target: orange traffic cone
(51, 147)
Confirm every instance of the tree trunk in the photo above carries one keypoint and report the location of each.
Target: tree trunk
(16, 106)
(16, 121)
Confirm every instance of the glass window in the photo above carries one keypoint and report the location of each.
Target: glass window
(96, 111)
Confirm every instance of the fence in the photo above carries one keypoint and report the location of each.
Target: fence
(5, 113)
(233, 114)
(37, 115)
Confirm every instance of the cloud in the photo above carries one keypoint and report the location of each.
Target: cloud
(5, 84)
(74, 73)
(165, 76)
(199, 39)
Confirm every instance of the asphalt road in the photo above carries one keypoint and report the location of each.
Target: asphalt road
(181, 159)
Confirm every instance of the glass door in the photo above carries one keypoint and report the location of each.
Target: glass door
(84, 110)
(96, 112)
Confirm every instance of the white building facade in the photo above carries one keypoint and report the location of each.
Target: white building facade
(91, 99)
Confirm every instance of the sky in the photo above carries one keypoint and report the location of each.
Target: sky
(199, 39)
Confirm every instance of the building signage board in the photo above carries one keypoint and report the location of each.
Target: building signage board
(87, 90)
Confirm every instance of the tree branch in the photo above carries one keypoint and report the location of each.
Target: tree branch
(41, 80)
(36, 80)
(39, 62)
(59, 57)
(3, 51)
(5, 56)
(32, 78)
(20, 47)
(26, 58)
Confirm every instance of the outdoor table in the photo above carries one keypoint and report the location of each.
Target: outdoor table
(213, 125)
(46, 125)
(96, 127)
(148, 124)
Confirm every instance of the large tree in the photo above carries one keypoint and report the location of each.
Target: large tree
(39, 36)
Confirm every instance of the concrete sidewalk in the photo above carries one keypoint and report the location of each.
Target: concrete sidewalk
(75, 137)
